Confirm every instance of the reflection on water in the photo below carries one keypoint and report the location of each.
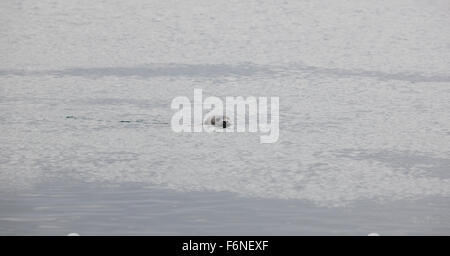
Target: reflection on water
(223, 70)
(131, 209)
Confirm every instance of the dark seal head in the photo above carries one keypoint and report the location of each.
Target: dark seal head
(219, 121)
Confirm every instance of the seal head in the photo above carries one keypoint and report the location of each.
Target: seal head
(219, 121)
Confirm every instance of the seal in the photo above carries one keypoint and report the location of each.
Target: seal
(219, 121)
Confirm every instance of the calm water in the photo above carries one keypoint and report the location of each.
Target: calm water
(86, 143)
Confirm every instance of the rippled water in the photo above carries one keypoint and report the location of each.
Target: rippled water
(86, 143)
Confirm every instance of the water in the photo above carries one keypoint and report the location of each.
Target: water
(86, 144)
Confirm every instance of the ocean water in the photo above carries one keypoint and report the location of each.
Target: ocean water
(87, 147)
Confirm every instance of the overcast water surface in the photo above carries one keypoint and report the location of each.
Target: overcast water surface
(86, 144)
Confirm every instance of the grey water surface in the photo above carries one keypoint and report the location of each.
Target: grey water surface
(86, 144)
